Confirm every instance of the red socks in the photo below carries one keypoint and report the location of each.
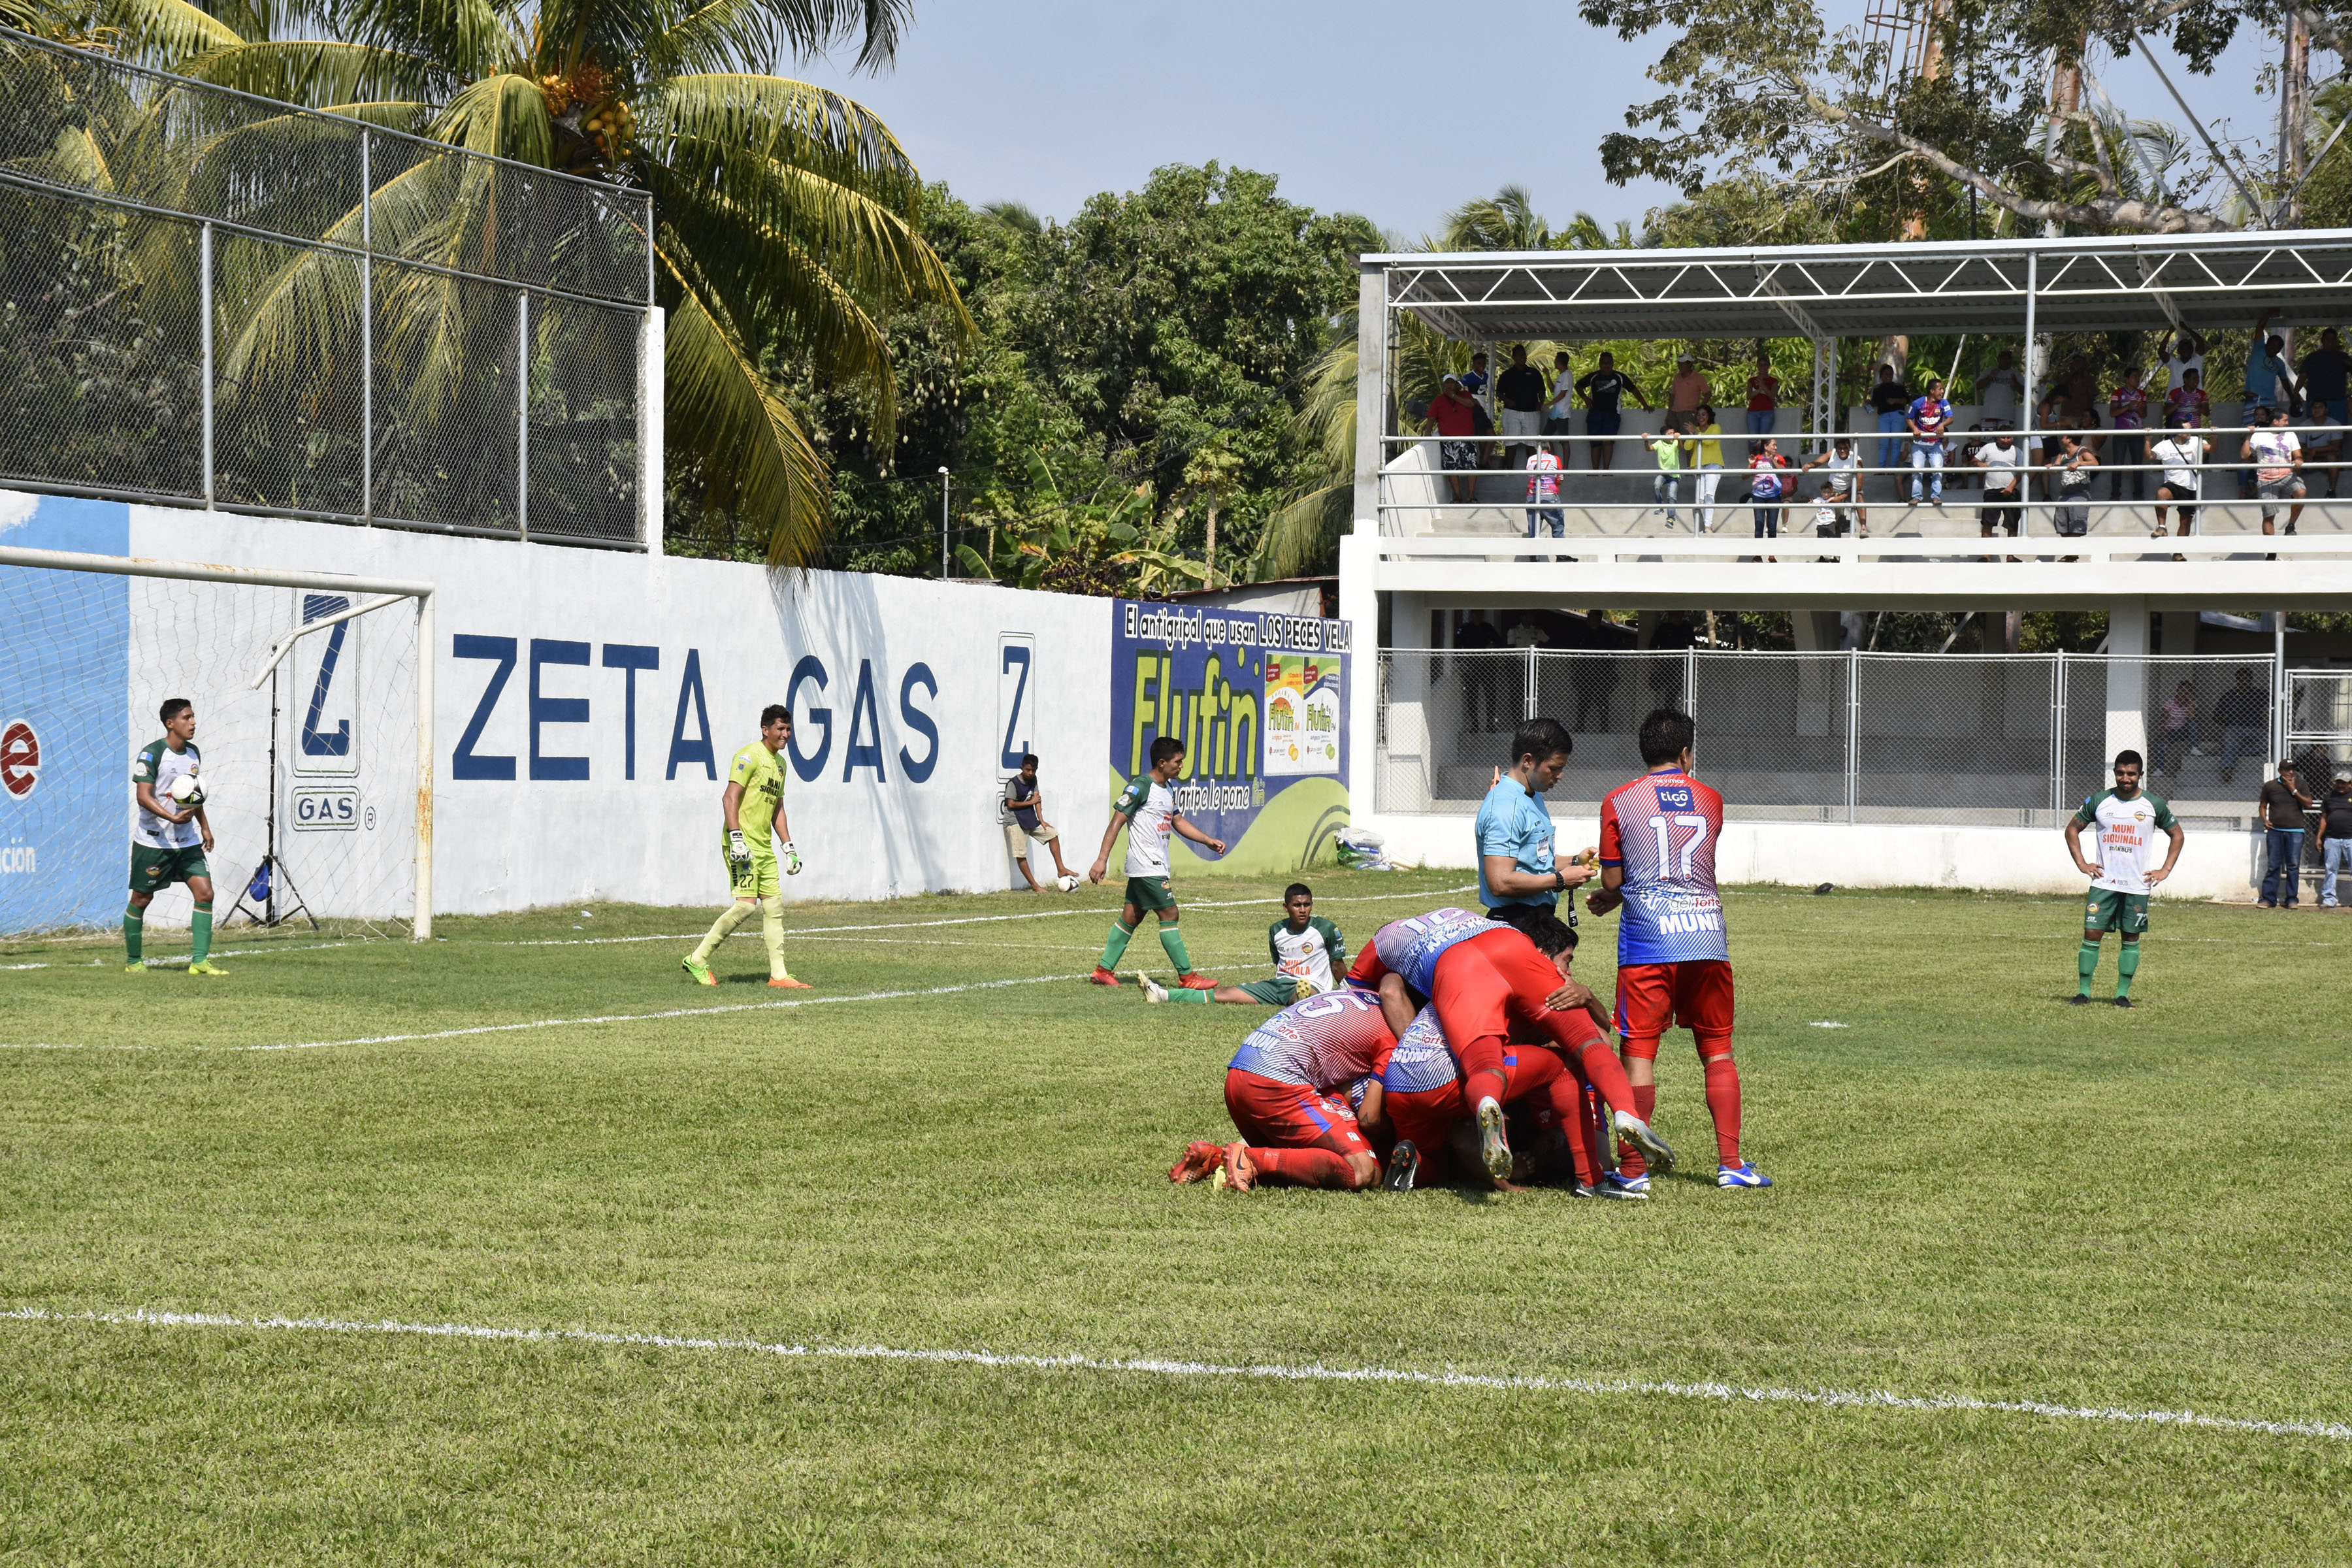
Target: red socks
(1604, 1072)
(1722, 1104)
(1483, 1055)
(1305, 1167)
(1630, 1163)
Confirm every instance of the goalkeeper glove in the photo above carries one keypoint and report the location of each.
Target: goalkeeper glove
(737, 850)
(791, 859)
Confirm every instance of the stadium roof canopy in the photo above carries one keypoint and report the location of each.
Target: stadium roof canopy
(2120, 282)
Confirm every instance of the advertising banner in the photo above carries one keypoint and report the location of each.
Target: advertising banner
(1260, 702)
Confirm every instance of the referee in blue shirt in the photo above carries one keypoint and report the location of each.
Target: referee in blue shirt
(1518, 879)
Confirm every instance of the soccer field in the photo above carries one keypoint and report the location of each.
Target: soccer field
(533, 1252)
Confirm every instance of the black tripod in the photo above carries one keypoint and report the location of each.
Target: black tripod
(259, 902)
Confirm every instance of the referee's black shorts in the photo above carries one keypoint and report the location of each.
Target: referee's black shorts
(1518, 915)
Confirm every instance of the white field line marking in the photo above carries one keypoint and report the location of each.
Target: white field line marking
(976, 919)
(1722, 1392)
(1827, 1024)
(598, 1019)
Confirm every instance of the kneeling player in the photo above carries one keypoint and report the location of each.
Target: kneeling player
(1306, 947)
(1283, 1090)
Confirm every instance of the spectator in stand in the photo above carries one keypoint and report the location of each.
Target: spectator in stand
(1543, 467)
(2070, 486)
(2244, 718)
(2187, 403)
(2004, 461)
(2180, 731)
(1689, 391)
(1769, 483)
(2127, 411)
(1704, 455)
(2277, 454)
(2184, 355)
(1456, 417)
(1482, 684)
(1602, 391)
(2081, 387)
(1891, 401)
(2282, 805)
(1560, 413)
(1473, 380)
(1522, 393)
(2180, 457)
(1665, 486)
(2326, 371)
(1998, 392)
(2268, 380)
(1763, 397)
(1928, 418)
(1837, 505)
(2335, 837)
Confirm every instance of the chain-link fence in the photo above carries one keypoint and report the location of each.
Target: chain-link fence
(211, 298)
(1992, 740)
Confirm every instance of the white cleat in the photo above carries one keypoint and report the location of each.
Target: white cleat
(1636, 1131)
(1494, 1145)
(1152, 990)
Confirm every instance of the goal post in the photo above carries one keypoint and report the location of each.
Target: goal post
(216, 634)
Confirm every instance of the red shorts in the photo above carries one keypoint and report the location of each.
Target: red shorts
(1482, 984)
(1654, 997)
(1427, 1115)
(1276, 1115)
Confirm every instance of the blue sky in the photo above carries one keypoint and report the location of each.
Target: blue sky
(1395, 111)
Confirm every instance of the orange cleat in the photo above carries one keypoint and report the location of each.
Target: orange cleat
(1237, 1172)
(787, 983)
(1102, 976)
(1200, 1159)
(1196, 981)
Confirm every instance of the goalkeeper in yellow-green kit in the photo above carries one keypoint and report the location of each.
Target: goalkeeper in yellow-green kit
(755, 809)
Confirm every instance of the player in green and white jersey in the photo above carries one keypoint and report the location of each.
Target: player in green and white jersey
(168, 843)
(1307, 953)
(753, 806)
(2128, 819)
(1147, 809)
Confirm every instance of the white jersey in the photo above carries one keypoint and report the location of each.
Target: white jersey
(2181, 456)
(1149, 807)
(2128, 833)
(1307, 955)
(158, 764)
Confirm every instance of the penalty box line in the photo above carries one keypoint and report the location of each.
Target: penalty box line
(1718, 1393)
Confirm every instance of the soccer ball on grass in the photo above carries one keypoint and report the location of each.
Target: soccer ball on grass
(1067, 883)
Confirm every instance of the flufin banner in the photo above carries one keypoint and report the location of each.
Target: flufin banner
(1260, 702)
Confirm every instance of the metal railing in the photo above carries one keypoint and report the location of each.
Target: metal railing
(2005, 739)
(208, 297)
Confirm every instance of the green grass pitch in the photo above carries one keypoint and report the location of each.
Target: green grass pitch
(1983, 1194)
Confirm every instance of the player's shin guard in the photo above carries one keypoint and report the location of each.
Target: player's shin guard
(1630, 1161)
(735, 914)
(771, 929)
(134, 931)
(1116, 948)
(200, 928)
(1171, 941)
(1302, 1167)
(2127, 965)
(1722, 1104)
(2086, 962)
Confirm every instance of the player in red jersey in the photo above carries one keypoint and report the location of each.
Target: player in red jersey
(1284, 1090)
(1657, 860)
(1483, 977)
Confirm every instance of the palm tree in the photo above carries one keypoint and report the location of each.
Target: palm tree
(784, 216)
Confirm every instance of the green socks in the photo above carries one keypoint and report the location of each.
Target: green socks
(1182, 995)
(2088, 962)
(201, 925)
(771, 927)
(729, 918)
(134, 927)
(1173, 940)
(1116, 948)
(2127, 965)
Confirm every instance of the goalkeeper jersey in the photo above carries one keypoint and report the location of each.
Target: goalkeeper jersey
(158, 764)
(760, 772)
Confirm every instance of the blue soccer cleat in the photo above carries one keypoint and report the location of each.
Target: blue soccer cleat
(1617, 1184)
(1743, 1175)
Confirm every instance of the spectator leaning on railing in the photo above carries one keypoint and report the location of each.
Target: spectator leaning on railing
(1703, 454)
(2186, 403)
(2070, 486)
(1837, 507)
(1543, 493)
(2182, 456)
(1768, 484)
(1602, 391)
(1665, 485)
(2335, 837)
(2276, 455)
(1928, 418)
(2282, 805)
(1456, 418)
(2004, 461)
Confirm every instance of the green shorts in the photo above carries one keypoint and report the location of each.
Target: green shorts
(1279, 992)
(2111, 910)
(152, 870)
(752, 878)
(1149, 893)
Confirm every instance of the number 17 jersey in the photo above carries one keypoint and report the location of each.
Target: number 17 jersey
(1661, 830)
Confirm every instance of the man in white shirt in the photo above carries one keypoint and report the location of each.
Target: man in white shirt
(2004, 461)
(2276, 454)
(1837, 506)
(2181, 456)
(1997, 391)
(2184, 351)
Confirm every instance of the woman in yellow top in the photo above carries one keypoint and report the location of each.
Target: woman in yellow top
(1703, 454)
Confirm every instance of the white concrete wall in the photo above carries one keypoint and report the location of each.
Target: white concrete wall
(2212, 865)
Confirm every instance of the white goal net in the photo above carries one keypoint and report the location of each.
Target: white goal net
(310, 778)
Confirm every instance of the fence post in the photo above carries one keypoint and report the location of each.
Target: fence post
(1690, 681)
(522, 415)
(204, 325)
(1531, 705)
(367, 333)
(1853, 731)
(2058, 733)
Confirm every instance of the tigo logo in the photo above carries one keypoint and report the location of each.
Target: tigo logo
(20, 759)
